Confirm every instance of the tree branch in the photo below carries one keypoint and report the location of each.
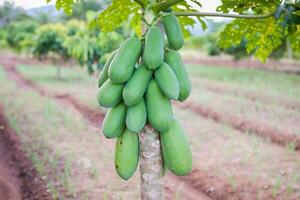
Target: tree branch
(207, 14)
(165, 4)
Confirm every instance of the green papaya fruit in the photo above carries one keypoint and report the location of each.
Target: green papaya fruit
(104, 73)
(123, 63)
(159, 108)
(135, 88)
(154, 48)
(167, 81)
(173, 58)
(115, 121)
(110, 94)
(136, 116)
(176, 150)
(127, 154)
(173, 31)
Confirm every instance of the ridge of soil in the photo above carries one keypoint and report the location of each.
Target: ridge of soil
(246, 126)
(94, 116)
(250, 95)
(270, 65)
(18, 177)
(196, 185)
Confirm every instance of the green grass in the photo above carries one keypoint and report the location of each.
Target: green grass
(235, 150)
(266, 81)
(58, 140)
(47, 74)
(73, 81)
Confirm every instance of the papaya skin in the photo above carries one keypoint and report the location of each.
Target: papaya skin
(127, 154)
(173, 31)
(159, 108)
(114, 122)
(173, 58)
(167, 81)
(135, 88)
(136, 116)
(109, 94)
(154, 48)
(123, 63)
(176, 150)
(103, 76)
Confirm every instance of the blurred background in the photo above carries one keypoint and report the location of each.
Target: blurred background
(243, 117)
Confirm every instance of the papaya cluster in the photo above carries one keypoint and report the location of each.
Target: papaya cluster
(137, 84)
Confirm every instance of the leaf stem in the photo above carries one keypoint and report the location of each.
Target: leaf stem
(226, 15)
(165, 4)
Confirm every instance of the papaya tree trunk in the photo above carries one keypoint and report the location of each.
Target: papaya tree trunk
(151, 170)
(150, 165)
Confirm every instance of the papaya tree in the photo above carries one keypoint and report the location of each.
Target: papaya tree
(146, 72)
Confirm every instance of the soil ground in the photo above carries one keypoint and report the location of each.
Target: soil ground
(18, 178)
(228, 163)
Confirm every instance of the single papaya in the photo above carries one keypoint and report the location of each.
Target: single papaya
(127, 154)
(123, 63)
(159, 109)
(110, 94)
(104, 73)
(136, 116)
(167, 81)
(115, 121)
(135, 88)
(173, 58)
(173, 31)
(176, 150)
(154, 48)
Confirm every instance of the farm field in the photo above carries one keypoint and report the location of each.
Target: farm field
(243, 125)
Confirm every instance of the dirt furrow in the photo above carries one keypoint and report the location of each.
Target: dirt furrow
(96, 118)
(246, 126)
(18, 177)
(200, 184)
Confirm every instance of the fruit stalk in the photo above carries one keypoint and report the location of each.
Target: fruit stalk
(150, 165)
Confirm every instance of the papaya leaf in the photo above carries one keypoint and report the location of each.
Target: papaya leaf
(246, 6)
(262, 36)
(116, 14)
(66, 5)
(188, 21)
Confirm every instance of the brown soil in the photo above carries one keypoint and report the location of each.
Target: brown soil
(18, 177)
(218, 188)
(198, 185)
(246, 126)
(95, 117)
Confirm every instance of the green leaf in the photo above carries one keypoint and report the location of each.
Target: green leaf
(262, 36)
(117, 13)
(246, 6)
(188, 21)
(66, 5)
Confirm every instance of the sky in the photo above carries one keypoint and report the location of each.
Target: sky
(208, 7)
